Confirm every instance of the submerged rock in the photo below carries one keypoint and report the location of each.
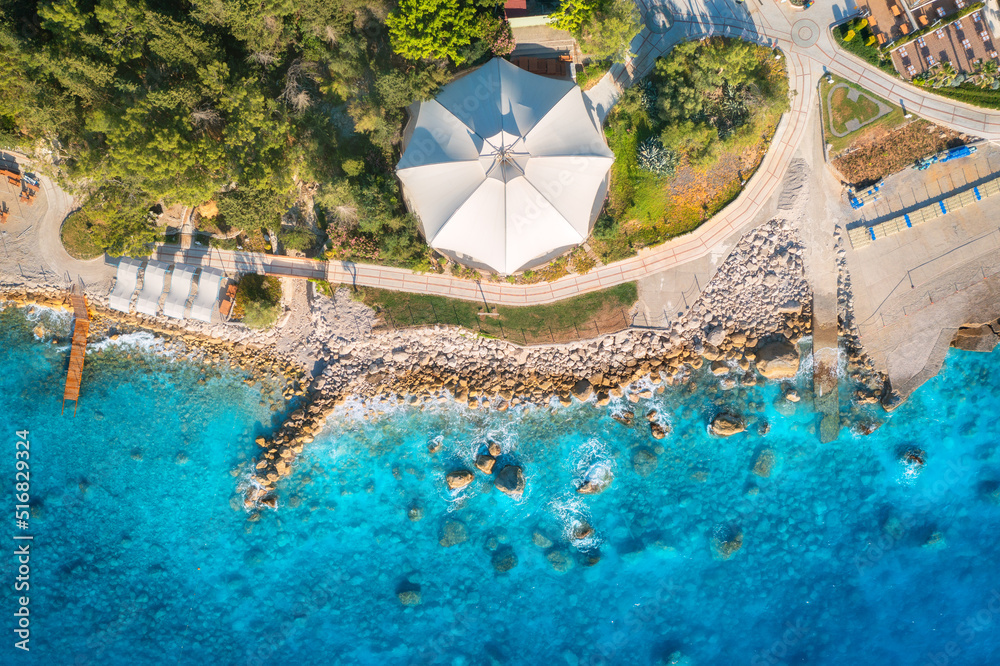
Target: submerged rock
(643, 461)
(778, 360)
(415, 513)
(726, 541)
(409, 595)
(657, 430)
(541, 540)
(453, 532)
(727, 425)
(504, 559)
(626, 418)
(510, 480)
(459, 479)
(559, 560)
(764, 462)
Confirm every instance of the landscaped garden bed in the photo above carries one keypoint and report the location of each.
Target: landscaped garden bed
(686, 139)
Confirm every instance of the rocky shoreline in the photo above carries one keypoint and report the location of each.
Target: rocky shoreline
(744, 328)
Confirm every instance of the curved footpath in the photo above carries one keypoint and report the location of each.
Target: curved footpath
(805, 39)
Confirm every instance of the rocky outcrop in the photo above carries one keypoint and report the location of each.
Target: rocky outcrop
(596, 482)
(778, 360)
(982, 338)
(510, 480)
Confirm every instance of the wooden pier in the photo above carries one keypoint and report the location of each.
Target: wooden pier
(81, 328)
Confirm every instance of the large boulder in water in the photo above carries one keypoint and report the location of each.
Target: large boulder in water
(726, 424)
(778, 360)
(485, 462)
(459, 479)
(510, 480)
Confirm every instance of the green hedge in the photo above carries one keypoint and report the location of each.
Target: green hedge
(970, 94)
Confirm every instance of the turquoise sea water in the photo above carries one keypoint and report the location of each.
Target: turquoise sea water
(848, 555)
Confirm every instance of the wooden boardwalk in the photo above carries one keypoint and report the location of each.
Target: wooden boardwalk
(81, 328)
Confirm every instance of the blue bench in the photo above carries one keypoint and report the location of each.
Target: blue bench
(943, 209)
(979, 197)
(871, 232)
(907, 218)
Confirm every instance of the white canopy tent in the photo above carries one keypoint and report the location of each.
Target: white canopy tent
(505, 169)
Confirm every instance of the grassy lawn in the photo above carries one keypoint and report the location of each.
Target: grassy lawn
(77, 238)
(843, 110)
(572, 319)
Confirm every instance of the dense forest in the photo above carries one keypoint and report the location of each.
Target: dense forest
(148, 102)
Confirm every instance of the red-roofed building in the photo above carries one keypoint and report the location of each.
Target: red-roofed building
(516, 8)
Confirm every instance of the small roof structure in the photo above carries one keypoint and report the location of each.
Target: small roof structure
(505, 169)
(126, 278)
(180, 290)
(208, 294)
(153, 277)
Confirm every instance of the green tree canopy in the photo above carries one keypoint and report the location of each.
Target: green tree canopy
(435, 29)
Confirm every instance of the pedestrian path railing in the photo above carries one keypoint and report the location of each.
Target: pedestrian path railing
(862, 235)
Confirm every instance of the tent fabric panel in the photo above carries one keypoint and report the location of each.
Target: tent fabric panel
(438, 137)
(478, 227)
(534, 226)
(436, 191)
(567, 130)
(525, 97)
(569, 184)
(474, 99)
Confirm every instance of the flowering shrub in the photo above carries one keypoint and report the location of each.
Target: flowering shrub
(345, 246)
(496, 32)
